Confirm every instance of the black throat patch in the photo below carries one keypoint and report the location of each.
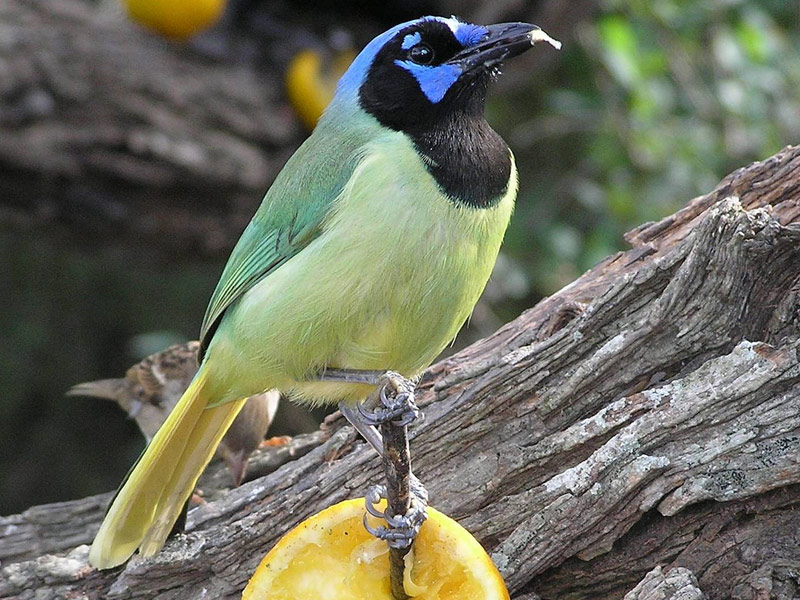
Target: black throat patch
(469, 161)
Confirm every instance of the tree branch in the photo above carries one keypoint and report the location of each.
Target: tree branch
(92, 138)
(61, 526)
(648, 414)
(678, 584)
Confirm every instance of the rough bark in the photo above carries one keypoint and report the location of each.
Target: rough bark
(677, 584)
(60, 526)
(647, 415)
(92, 138)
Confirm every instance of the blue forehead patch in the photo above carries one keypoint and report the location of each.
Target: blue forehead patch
(469, 35)
(433, 81)
(434, 85)
(357, 71)
(412, 39)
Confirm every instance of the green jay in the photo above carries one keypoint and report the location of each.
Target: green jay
(367, 254)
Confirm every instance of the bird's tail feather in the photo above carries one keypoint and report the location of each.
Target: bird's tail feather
(153, 494)
(109, 389)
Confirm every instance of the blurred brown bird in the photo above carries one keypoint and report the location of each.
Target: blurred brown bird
(152, 388)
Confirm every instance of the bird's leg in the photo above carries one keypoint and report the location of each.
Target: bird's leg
(405, 511)
(367, 431)
(407, 499)
(398, 406)
(375, 439)
(402, 529)
(366, 417)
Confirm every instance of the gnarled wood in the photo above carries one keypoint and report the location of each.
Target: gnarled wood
(92, 138)
(677, 584)
(648, 414)
(61, 526)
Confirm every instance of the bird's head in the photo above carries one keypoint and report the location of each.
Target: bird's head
(422, 71)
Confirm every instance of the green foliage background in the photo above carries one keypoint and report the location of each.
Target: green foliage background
(648, 105)
(651, 104)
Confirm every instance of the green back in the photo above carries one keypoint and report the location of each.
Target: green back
(293, 210)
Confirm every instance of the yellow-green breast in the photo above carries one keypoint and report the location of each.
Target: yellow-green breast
(388, 283)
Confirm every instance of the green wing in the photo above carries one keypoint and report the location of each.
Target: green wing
(289, 218)
(263, 247)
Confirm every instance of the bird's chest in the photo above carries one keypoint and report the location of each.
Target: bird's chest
(417, 260)
(394, 273)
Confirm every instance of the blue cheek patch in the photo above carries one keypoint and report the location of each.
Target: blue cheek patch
(470, 35)
(433, 81)
(411, 39)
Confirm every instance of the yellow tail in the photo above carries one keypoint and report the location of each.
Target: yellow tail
(151, 498)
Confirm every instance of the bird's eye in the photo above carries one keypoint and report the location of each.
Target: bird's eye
(422, 54)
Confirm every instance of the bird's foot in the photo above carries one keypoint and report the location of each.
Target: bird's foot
(397, 403)
(400, 530)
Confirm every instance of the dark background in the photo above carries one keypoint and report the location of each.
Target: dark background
(109, 251)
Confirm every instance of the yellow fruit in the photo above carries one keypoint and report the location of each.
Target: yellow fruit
(311, 82)
(177, 19)
(332, 557)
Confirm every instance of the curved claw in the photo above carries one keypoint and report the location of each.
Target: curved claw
(403, 529)
(368, 416)
(399, 409)
(413, 519)
(406, 408)
(396, 538)
(378, 531)
(400, 530)
(384, 398)
(374, 495)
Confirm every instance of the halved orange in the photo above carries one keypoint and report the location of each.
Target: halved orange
(330, 556)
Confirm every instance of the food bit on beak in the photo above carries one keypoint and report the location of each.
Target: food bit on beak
(537, 35)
